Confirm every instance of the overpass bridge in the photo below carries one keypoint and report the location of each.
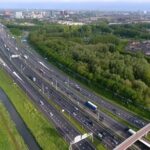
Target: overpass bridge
(132, 139)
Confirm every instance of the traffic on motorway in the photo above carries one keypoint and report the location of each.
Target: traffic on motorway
(69, 95)
(24, 68)
(62, 125)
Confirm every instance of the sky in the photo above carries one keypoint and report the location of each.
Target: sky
(77, 4)
(73, 1)
(57, 1)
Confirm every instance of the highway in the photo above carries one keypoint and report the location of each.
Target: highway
(61, 124)
(109, 139)
(50, 80)
(34, 61)
(80, 92)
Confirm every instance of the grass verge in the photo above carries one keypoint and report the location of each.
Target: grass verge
(119, 119)
(43, 131)
(148, 137)
(9, 136)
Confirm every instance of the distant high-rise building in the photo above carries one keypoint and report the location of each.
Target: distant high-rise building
(19, 15)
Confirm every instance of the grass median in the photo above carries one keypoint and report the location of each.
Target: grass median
(10, 139)
(43, 131)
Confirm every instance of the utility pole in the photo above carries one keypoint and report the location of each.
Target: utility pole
(21, 68)
(70, 146)
(68, 81)
(56, 84)
(98, 115)
(42, 87)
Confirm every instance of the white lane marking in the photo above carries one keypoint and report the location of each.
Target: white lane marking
(17, 76)
(43, 65)
(4, 64)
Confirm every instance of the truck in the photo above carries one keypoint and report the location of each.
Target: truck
(90, 105)
(16, 48)
(131, 131)
(15, 56)
(100, 135)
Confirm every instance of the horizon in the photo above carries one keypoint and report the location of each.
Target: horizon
(109, 5)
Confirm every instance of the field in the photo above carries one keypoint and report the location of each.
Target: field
(43, 131)
(9, 136)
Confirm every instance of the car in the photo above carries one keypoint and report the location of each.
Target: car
(51, 114)
(41, 71)
(100, 135)
(114, 110)
(126, 129)
(76, 108)
(16, 48)
(115, 142)
(34, 79)
(90, 122)
(74, 114)
(41, 102)
(118, 114)
(77, 87)
(101, 118)
(25, 56)
(103, 133)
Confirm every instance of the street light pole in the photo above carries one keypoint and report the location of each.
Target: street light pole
(56, 84)
(98, 115)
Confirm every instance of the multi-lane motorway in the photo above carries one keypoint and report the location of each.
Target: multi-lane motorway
(109, 138)
(78, 90)
(70, 96)
(61, 124)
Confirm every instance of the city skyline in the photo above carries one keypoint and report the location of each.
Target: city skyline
(73, 1)
(107, 5)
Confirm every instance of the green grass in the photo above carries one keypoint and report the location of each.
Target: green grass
(15, 31)
(9, 136)
(148, 137)
(43, 131)
(122, 44)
